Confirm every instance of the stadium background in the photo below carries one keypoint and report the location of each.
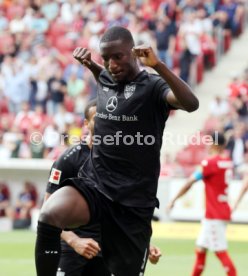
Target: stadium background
(37, 40)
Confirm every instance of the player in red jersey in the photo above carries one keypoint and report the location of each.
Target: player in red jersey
(215, 172)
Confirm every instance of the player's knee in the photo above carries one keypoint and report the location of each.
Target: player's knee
(44, 216)
(48, 216)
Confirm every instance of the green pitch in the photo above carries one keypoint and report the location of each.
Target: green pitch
(17, 247)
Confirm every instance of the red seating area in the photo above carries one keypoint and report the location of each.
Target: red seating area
(190, 157)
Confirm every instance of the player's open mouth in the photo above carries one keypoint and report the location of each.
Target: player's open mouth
(116, 75)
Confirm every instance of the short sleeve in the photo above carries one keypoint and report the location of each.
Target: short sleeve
(161, 89)
(208, 168)
(59, 172)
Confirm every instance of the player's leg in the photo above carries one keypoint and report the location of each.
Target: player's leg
(126, 233)
(227, 263)
(96, 267)
(71, 264)
(202, 244)
(200, 261)
(217, 237)
(220, 247)
(64, 208)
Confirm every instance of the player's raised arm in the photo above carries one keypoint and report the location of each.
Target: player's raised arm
(83, 55)
(181, 96)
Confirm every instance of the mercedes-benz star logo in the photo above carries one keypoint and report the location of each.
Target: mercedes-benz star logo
(112, 104)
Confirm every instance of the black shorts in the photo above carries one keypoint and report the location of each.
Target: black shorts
(125, 231)
(72, 264)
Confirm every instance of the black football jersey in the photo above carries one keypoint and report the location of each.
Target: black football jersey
(129, 126)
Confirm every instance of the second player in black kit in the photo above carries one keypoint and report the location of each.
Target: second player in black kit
(67, 166)
(120, 179)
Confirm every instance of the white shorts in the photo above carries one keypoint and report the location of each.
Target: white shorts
(213, 235)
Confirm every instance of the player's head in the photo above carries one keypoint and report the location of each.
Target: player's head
(89, 113)
(218, 141)
(116, 50)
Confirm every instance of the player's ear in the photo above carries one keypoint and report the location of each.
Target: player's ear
(86, 122)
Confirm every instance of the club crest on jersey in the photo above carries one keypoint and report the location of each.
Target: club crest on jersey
(129, 90)
(55, 176)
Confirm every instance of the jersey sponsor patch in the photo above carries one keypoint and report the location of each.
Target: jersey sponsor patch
(55, 176)
(112, 104)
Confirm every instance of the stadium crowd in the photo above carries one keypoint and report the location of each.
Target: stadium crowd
(228, 114)
(43, 90)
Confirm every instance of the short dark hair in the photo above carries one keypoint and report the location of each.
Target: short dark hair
(90, 104)
(218, 138)
(118, 33)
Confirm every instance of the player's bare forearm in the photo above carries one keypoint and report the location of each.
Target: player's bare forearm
(86, 247)
(83, 55)
(184, 189)
(96, 69)
(181, 95)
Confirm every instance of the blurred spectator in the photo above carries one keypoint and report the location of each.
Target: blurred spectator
(75, 85)
(165, 39)
(233, 89)
(233, 13)
(4, 199)
(39, 91)
(219, 107)
(56, 92)
(39, 24)
(39, 118)
(27, 200)
(73, 67)
(24, 117)
(5, 151)
(189, 33)
(50, 9)
(24, 150)
(51, 138)
(4, 23)
(37, 150)
(62, 118)
(237, 144)
(240, 106)
(16, 85)
(12, 139)
(17, 24)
